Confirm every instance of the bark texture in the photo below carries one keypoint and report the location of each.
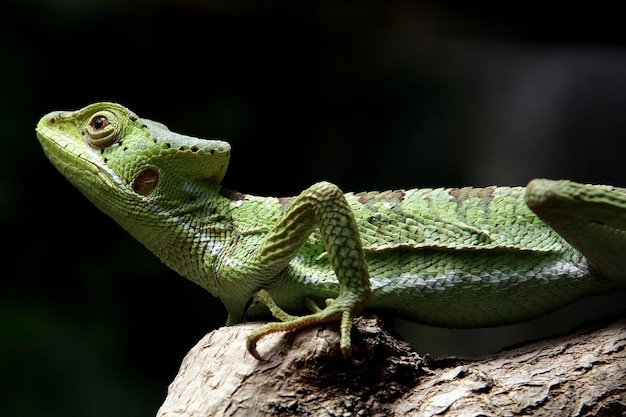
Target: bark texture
(302, 374)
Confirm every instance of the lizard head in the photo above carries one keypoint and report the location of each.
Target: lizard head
(119, 160)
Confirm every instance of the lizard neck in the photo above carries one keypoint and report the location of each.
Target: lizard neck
(187, 236)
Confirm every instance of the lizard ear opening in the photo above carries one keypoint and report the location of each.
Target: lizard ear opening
(146, 181)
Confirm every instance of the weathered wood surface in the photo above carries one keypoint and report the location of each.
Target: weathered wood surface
(582, 374)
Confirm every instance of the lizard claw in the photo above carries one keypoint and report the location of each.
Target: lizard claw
(251, 347)
(258, 298)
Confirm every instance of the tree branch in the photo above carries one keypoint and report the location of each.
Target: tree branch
(303, 374)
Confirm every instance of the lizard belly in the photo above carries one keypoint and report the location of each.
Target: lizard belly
(466, 289)
(456, 289)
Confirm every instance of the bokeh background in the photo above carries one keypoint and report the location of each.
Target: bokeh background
(368, 95)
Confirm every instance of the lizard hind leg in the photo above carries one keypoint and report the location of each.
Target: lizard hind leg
(592, 218)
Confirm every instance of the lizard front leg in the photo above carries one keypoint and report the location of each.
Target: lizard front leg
(321, 206)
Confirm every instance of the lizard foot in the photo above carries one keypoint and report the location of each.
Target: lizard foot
(343, 308)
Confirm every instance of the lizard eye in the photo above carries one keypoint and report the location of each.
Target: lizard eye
(99, 123)
(103, 129)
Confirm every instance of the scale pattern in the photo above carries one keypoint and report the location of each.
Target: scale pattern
(456, 257)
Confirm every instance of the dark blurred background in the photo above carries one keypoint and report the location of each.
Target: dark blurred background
(409, 94)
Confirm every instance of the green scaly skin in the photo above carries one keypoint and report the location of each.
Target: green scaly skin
(461, 257)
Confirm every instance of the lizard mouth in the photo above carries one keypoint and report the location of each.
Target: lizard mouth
(67, 154)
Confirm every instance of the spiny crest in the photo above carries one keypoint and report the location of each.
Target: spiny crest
(129, 145)
(142, 153)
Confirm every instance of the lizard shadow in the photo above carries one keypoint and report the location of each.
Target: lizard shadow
(441, 342)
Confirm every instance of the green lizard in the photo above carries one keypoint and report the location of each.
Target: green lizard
(459, 257)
